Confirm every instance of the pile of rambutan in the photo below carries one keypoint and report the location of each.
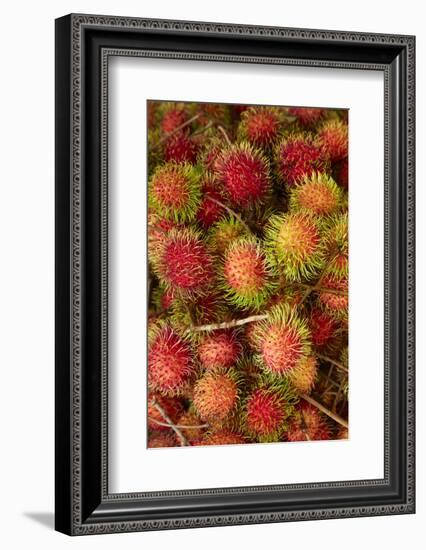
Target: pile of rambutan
(248, 270)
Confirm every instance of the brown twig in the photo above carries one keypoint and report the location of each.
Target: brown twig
(181, 437)
(332, 361)
(175, 131)
(228, 324)
(179, 426)
(323, 409)
(230, 211)
(225, 135)
(317, 288)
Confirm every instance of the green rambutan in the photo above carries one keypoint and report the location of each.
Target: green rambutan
(265, 413)
(307, 424)
(303, 376)
(216, 395)
(334, 139)
(170, 361)
(260, 126)
(225, 231)
(180, 148)
(294, 240)
(334, 303)
(307, 117)
(317, 194)
(175, 191)
(172, 406)
(247, 275)
(283, 341)
(222, 437)
(161, 439)
(336, 238)
(244, 173)
(297, 156)
(219, 350)
(184, 263)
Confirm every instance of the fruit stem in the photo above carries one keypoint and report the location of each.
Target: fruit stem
(179, 426)
(228, 324)
(182, 439)
(332, 361)
(323, 409)
(230, 211)
(225, 135)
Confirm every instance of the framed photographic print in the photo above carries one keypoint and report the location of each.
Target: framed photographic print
(234, 274)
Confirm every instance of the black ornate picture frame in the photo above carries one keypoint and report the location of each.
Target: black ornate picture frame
(84, 43)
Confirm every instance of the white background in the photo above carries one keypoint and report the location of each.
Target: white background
(26, 302)
(132, 80)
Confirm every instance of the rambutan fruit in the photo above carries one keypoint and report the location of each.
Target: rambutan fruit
(323, 327)
(307, 117)
(303, 376)
(264, 415)
(161, 439)
(219, 350)
(162, 298)
(204, 308)
(173, 115)
(210, 211)
(283, 341)
(216, 395)
(260, 126)
(244, 173)
(208, 113)
(336, 237)
(224, 232)
(170, 361)
(194, 430)
(343, 433)
(175, 191)
(222, 437)
(247, 276)
(172, 406)
(307, 424)
(341, 173)
(334, 139)
(297, 156)
(294, 239)
(336, 301)
(180, 148)
(317, 194)
(184, 263)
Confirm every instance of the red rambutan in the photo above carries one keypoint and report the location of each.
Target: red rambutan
(175, 191)
(172, 406)
(174, 116)
(210, 211)
(307, 116)
(194, 430)
(247, 276)
(265, 414)
(341, 173)
(260, 126)
(335, 303)
(323, 327)
(222, 437)
(170, 361)
(333, 138)
(307, 424)
(216, 395)
(220, 350)
(180, 148)
(244, 173)
(161, 439)
(297, 156)
(184, 263)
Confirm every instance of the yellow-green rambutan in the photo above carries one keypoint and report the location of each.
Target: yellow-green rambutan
(174, 191)
(303, 376)
(333, 138)
(283, 341)
(336, 238)
(294, 239)
(170, 360)
(317, 194)
(244, 173)
(183, 262)
(224, 232)
(247, 277)
(260, 126)
(219, 350)
(216, 395)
